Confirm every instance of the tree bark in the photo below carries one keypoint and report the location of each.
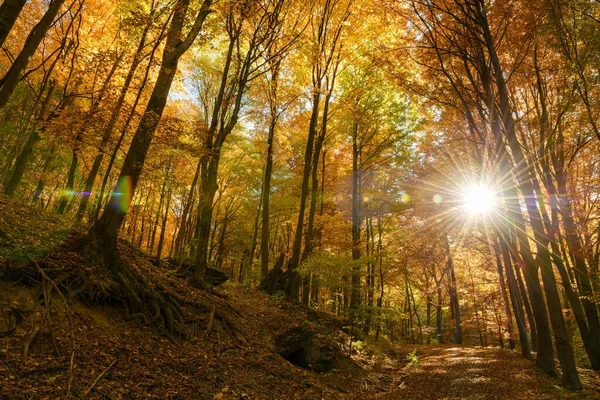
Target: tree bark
(453, 292)
(24, 156)
(543, 260)
(124, 130)
(11, 78)
(181, 233)
(507, 309)
(9, 11)
(266, 192)
(112, 218)
(355, 297)
(108, 130)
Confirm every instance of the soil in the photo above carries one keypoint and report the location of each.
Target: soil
(85, 347)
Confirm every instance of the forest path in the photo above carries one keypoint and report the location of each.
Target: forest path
(460, 372)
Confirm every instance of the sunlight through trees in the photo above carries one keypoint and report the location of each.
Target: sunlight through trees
(428, 171)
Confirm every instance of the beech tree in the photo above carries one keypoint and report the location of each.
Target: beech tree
(103, 233)
(426, 171)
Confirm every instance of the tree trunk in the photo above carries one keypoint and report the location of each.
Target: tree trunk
(208, 189)
(380, 256)
(293, 286)
(163, 194)
(507, 309)
(106, 135)
(355, 298)
(438, 314)
(586, 292)
(181, 233)
(266, 192)
(453, 292)
(113, 215)
(112, 218)
(25, 155)
(123, 133)
(13, 75)
(513, 288)
(543, 260)
(9, 11)
(68, 192)
(310, 229)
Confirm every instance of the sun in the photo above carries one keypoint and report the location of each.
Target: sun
(479, 200)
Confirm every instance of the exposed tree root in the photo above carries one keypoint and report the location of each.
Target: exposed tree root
(141, 300)
(89, 268)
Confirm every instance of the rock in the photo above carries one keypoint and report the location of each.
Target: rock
(293, 345)
(298, 346)
(215, 277)
(322, 358)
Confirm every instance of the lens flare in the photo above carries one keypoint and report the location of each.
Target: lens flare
(479, 200)
(123, 193)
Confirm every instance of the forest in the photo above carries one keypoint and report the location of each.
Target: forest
(376, 196)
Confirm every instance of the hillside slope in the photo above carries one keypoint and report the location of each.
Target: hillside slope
(53, 346)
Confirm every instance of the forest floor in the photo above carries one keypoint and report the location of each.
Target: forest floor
(85, 347)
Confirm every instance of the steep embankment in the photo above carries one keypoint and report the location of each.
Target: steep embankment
(77, 342)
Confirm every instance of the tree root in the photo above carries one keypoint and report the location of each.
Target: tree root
(91, 268)
(142, 301)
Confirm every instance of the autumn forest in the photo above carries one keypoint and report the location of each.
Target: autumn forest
(338, 184)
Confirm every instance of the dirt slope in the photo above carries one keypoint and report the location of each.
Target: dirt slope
(90, 343)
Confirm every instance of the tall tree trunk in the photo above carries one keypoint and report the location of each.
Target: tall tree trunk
(543, 260)
(266, 192)
(124, 130)
(111, 219)
(9, 11)
(380, 259)
(438, 314)
(208, 189)
(68, 191)
(517, 304)
(163, 193)
(221, 244)
(13, 75)
(108, 130)
(310, 229)
(590, 335)
(163, 227)
(185, 217)
(453, 292)
(515, 229)
(248, 258)
(506, 303)
(293, 286)
(355, 298)
(528, 309)
(25, 155)
(576, 249)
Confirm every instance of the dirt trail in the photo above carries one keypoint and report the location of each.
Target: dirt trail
(235, 360)
(457, 372)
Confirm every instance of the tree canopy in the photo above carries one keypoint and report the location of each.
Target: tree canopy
(426, 170)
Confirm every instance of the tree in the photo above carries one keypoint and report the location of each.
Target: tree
(9, 11)
(11, 78)
(252, 29)
(104, 232)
